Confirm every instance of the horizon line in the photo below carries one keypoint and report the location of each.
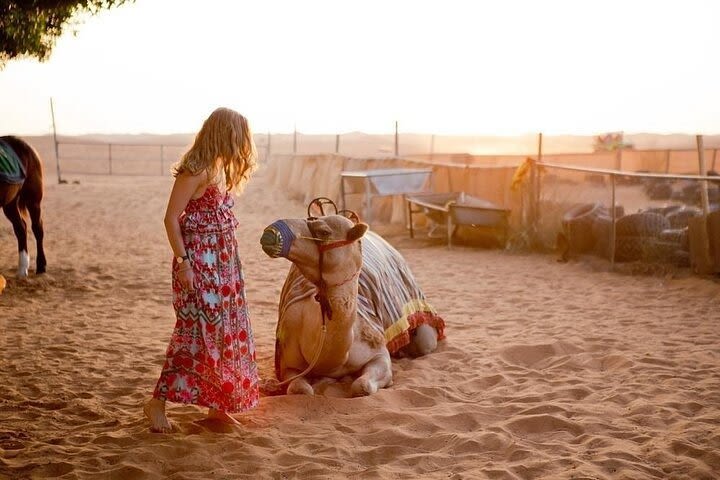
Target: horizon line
(401, 133)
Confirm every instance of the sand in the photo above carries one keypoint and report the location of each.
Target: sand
(549, 370)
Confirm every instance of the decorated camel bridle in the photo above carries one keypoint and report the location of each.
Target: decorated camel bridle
(321, 295)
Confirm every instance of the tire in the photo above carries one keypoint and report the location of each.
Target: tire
(619, 211)
(680, 218)
(666, 252)
(713, 195)
(641, 224)
(691, 193)
(664, 211)
(660, 191)
(660, 251)
(677, 236)
(601, 234)
(630, 249)
(577, 226)
(681, 258)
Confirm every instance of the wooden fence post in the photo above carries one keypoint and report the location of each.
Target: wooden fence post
(57, 150)
(698, 227)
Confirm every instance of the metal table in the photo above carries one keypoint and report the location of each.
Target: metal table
(384, 182)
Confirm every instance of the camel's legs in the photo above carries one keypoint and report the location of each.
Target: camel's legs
(424, 341)
(300, 385)
(376, 374)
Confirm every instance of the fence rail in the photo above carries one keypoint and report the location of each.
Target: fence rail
(116, 158)
(623, 173)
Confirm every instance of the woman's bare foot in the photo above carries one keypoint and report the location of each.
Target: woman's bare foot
(155, 412)
(222, 416)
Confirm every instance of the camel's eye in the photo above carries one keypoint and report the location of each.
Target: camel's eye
(324, 232)
(320, 229)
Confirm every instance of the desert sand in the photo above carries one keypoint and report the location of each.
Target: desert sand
(549, 370)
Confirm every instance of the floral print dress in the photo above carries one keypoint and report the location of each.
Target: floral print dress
(211, 357)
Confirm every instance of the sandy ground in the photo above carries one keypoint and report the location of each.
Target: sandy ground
(549, 370)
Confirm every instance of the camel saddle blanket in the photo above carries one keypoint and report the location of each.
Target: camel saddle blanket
(12, 171)
(389, 298)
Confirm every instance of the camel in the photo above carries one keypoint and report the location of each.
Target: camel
(21, 191)
(349, 302)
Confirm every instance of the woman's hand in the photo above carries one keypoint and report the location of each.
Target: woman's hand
(186, 277)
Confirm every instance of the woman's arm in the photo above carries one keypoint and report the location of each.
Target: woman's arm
(183, 190)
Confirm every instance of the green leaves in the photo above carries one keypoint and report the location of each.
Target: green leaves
(29, 28)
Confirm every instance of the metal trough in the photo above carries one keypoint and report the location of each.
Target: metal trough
(458, 208)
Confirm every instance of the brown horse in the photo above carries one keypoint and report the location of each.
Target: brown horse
(23, 194)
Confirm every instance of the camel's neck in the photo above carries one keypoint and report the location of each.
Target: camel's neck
(343, 303)
(339, 337)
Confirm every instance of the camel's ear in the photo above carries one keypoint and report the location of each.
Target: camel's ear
(357, 231)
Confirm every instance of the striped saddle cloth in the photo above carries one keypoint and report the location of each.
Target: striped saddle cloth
(389, 297)
(12, 171)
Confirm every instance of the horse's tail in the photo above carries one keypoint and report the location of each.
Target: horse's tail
(22, 205)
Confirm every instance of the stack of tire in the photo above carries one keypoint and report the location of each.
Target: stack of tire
(601, 231)
(692, 194)
(577, 225)
(673, 244)
(658, 189)
(587, 227)
(655, 234)
(636, 235)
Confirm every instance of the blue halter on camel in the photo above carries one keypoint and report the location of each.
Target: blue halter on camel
(288, 237)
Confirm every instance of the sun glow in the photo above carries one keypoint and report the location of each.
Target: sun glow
(326, 66)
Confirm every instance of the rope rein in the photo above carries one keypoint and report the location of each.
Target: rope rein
(321, 296)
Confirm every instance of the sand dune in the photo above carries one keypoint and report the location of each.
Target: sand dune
(549, 370)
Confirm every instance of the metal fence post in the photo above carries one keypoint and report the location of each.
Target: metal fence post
(613, 217)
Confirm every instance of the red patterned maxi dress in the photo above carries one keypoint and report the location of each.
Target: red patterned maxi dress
(211, 357)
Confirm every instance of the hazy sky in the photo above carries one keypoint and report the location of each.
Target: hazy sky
(444, 66)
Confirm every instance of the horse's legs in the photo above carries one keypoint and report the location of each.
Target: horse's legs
(37, 228)
(12, 212)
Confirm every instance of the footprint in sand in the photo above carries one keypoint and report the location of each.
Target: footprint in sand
(544, 424)
(534, 356)
(13, 440)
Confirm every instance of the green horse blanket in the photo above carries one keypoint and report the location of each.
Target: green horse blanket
(12, 170)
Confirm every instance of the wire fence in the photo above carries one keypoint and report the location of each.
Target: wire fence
(112, 158)
(653, 218)
(623, 206)
(154, 155)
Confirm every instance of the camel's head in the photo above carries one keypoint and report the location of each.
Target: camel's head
(303, 241)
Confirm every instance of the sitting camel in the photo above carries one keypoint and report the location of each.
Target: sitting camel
(349, 302)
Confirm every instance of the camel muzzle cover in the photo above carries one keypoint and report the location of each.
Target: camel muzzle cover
(277, 239)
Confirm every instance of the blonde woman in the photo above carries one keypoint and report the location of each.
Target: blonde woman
(210, 360)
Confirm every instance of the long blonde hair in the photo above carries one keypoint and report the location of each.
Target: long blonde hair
(224, 143)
